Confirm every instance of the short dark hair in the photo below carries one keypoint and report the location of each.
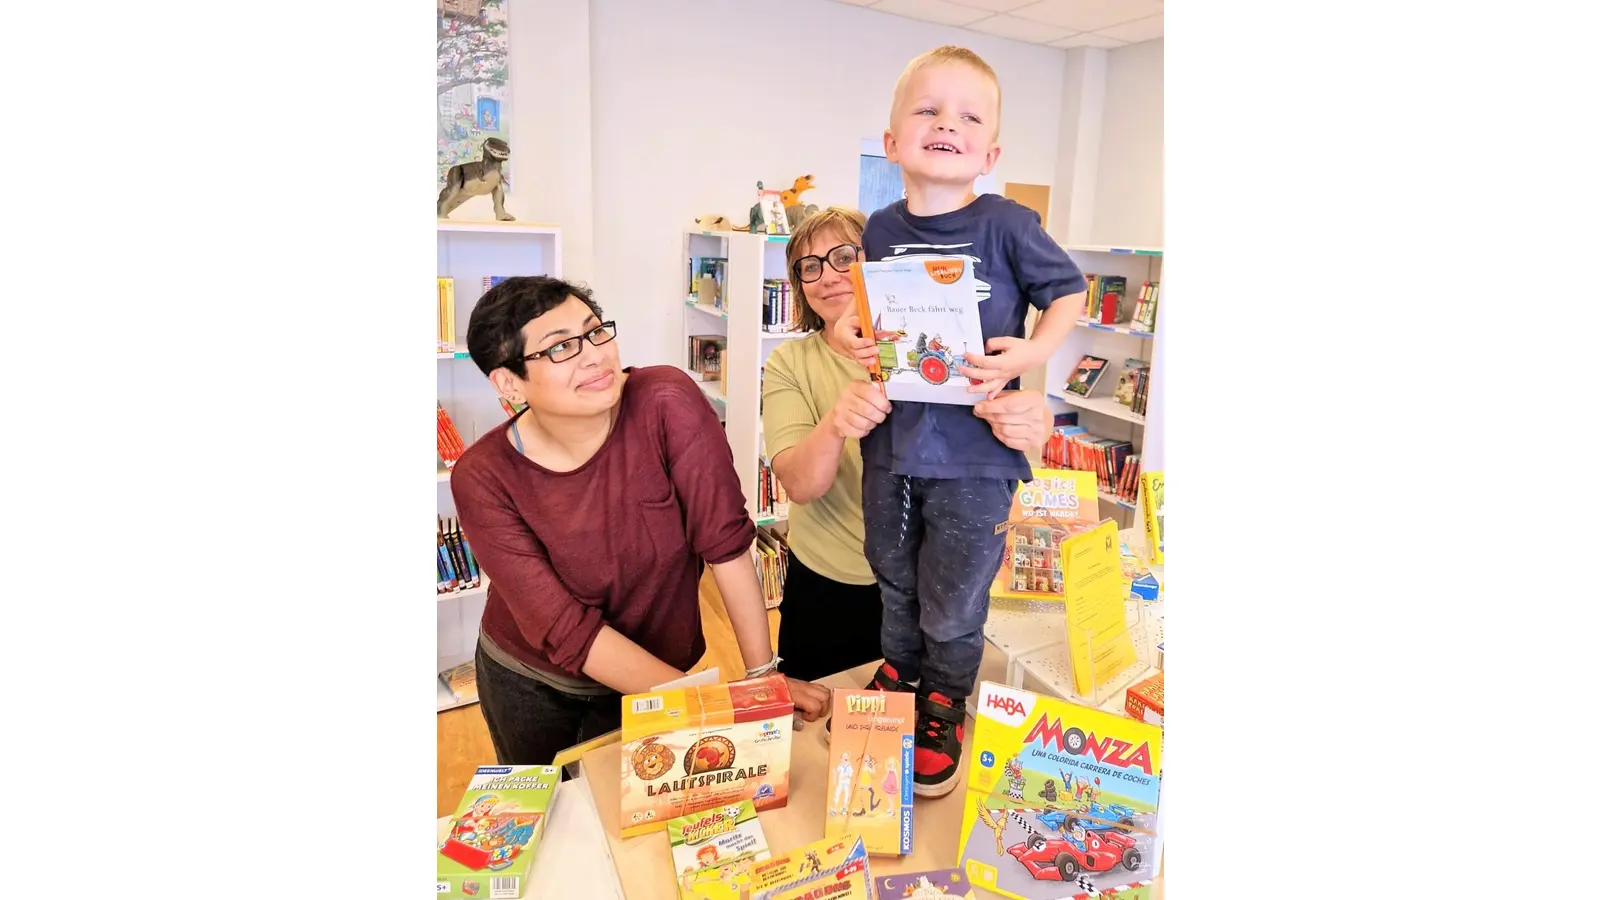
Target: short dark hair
(494, 334)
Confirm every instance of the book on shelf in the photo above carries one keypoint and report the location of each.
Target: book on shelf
(1111, 460)
(780, 310)
(707, 275)
(923, 313)
(1105, 303)
(1085, 376)
(450, 444)
(705, 356)
(458, 568)
(1133, 385)
(1144, 309)
(1155, 516)
(771, 498)
(771, 552)
(462, 682)
(445, 340)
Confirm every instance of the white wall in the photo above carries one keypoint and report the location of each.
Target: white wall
(1128, 187)
(693, 103)
(549, 104)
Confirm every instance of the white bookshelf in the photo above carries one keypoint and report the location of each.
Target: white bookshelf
(467, 252)
(751, 259)
(1098, 412)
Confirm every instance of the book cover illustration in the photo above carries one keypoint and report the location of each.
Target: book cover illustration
(714, 850)
(496, 831)
(1059, 795)
(835, 869)
(932, 885)
(924, 317)
(1085, 376)
(1155, 516)
(870, 766)
(1045, 512)
(1134, 371)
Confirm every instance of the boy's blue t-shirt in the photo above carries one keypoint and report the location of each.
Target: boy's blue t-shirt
(1016, 263)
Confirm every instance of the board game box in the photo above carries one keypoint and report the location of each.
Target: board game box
(713, 850)
(935, 885)
(685, 750)
(1045, 512)
(832, 869)
(870, 769)
(1058, 795)
(1147, 700)
(496, 831)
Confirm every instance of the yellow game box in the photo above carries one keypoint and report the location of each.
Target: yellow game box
(1059, 796)
(714, 850)
(831, 869)
(686, 750)
(870, 769)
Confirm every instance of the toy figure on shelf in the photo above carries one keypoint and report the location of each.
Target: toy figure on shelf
(796, 210)
(756, 221)
(474, 179)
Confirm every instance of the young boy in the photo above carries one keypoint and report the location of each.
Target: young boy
(936, 481)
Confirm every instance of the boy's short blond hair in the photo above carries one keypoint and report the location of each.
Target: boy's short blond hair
(946, 55)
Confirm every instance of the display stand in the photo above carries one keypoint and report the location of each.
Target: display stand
(644, 864)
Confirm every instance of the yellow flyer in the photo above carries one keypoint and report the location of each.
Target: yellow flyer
(1046, 511)
(1155, 517)
(1098, 642)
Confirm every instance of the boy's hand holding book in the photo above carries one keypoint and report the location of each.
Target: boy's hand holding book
(1008, 358)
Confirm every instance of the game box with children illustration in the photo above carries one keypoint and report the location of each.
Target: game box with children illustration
(1058, 795)
(496, 831)
(870, 764)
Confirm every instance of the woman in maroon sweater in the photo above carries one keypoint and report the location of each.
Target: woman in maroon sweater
(593, 513)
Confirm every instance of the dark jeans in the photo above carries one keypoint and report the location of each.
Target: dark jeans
(932, 546)
(826, 626)
(530, 721)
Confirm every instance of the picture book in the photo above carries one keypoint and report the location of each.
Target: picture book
(1155, 517)
(1134, 371)
(870, 769)
(1046, 511)
(934, 885)
(1099, 642)
(833, 868)
(1058, 796)
(689, 749)
(713, 850)
(496, 831)
(923, 312)
(1084, 376)
(445, 339)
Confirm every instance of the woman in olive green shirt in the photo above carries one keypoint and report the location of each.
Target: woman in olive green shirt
(816, 405)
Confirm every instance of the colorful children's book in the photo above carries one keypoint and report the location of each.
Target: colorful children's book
(714, 850)
(870, 769)
(835, 869)
(1085, 376)
(935, 885)
(1046, 511)
(923, 312)
(1155, 517)
(1059, 798)
(496, 832)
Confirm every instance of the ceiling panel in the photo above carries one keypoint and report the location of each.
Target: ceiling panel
(1088, 40)
(1088, 15)
(1136, 31)
(996, 5)
(1020, 29)
(940, 11)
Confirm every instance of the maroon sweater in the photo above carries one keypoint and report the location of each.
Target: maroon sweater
(618, 541)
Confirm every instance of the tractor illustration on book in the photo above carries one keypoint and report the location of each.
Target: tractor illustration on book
(930, 358)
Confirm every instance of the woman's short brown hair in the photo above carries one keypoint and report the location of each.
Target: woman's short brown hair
(849, 223)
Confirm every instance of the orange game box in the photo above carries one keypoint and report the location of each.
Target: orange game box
(1147, 700)
(685, 750)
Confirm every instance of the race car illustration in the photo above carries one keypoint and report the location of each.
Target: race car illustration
(1103, 817)
(1061, 859)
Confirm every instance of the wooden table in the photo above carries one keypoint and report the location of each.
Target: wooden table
(644, 863)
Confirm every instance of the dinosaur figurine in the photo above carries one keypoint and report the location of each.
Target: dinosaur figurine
(474, 179)
(795, 209)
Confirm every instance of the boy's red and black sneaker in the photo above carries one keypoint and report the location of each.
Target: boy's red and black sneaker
(941, 724)
(885, 679)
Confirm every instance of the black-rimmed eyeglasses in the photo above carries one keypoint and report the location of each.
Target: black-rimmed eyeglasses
(809, 268)
(561, 351)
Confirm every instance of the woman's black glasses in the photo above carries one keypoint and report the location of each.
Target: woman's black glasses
(809, 268)
(604, 333)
